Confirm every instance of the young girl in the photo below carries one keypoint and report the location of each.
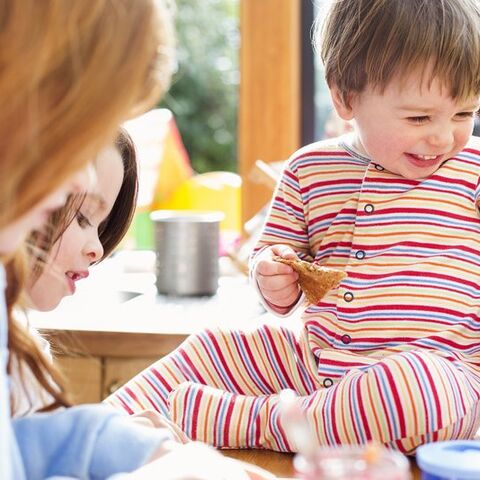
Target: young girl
(392, 354)
(11, 465)
(83, 232)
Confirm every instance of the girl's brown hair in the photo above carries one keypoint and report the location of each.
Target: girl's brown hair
(368, 42)
(115, 226)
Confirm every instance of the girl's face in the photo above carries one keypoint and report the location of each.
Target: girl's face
(12, 235)
(79, 246)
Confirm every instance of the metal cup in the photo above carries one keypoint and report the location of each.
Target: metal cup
(187, 246)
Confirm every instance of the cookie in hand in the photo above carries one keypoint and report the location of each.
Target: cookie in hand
(314, 280)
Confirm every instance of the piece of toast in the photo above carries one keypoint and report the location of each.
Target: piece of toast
(314, 280)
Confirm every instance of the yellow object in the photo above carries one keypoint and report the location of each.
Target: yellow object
(210, 191)
(174, 167)
(163, 162)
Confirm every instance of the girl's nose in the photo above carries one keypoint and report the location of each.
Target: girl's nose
(94, 249)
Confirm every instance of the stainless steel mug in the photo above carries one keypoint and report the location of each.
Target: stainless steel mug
(187, 246)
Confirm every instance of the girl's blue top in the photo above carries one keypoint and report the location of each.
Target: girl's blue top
(84, 442)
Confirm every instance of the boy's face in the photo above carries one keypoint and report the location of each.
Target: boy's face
(412, 127)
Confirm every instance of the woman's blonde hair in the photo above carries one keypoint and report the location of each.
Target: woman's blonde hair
(368, 42)
(70, 72)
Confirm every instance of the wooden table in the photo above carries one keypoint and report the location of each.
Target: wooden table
(281, 464)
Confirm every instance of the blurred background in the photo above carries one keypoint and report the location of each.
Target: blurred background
(248, 91)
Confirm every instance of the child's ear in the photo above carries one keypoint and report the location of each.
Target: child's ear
(342, 105)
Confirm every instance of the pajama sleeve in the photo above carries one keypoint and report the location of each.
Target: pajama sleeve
(285, 224)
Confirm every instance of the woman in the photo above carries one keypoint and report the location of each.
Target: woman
(70, 73)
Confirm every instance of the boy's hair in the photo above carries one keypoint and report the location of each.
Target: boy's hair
(368, 42)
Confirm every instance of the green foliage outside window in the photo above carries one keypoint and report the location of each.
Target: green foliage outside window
(204, 92)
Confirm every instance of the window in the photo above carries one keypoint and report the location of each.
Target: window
(316, 104)
(204, 93)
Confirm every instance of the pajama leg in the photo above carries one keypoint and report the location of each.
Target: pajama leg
(400, 401)
(464, 428)
(259, 362)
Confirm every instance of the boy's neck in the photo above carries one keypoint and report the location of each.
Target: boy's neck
(351, 143)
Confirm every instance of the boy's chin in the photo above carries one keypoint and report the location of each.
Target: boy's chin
(416, 173)
(421, 174)
(418, 176)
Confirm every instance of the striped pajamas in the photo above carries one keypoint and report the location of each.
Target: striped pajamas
(392, 354)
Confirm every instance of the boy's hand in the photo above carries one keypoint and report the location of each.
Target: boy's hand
(277, 282)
